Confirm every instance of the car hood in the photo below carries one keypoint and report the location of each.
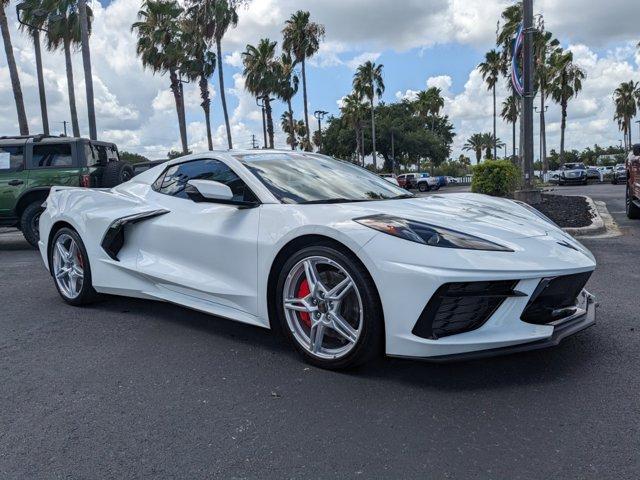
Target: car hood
(474, 214)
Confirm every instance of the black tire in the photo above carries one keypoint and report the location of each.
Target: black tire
(371, 340)
(115, 173)
(423, 187)
(633, 211)
(87, 293)
(29, 221)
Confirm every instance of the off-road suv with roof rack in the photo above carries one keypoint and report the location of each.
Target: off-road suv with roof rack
(633, 183)
(31, 165)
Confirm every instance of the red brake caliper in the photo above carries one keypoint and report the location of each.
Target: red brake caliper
(303, 291)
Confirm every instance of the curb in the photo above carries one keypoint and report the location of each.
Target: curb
(597, 226)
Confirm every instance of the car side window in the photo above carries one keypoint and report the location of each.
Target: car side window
(174, 181)
(53, 155)
(11, 158)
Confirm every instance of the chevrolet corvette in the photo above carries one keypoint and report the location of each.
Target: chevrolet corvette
(346, 265)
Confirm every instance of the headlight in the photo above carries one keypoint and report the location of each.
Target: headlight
(431, 235)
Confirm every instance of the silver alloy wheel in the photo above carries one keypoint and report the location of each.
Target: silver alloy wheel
(68, 267)
(323, 307)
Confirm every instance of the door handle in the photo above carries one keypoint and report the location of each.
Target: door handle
(15, 183)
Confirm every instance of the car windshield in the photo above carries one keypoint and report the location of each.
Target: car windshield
(575, 166)
(313, 178)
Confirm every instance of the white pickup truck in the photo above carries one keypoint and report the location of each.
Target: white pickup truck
(426, 183)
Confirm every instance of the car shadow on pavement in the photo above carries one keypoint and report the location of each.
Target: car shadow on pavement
(538, 367)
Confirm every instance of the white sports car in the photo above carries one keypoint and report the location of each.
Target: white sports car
(344, 263)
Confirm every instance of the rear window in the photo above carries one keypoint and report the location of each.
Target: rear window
(53, 155)
(100, 154)
(11, 157)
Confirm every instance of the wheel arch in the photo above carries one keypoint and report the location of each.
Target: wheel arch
(30, 196)
(292, 246)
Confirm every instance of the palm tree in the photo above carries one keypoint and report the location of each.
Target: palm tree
(215, 17)
(544, 45)
(199, 66)
(353, 112)
(295, 130)
(510, 113)
(429, 103)
(565, 83)
(13, 70)
(161, 49)
(64, 31)
(261, 76)
(475, 143)
(626, 97)
(32, 17)
(368, 82)
(85, 30)
(491, 143)
(288, 83)
(490, 70)
(302, 39)
(511, 20)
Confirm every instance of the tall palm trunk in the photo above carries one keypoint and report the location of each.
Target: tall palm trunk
(563, 126)
(304, 99)
(373, 134)
(223, 96)
(513, 134)
(41, 90)
(86, 63)
(267, 108)
(176, 88)
(362, 144)
(13, 74)
(70, 85)
(543, 134)
(292, 134)
(495, 143)
(206, 106)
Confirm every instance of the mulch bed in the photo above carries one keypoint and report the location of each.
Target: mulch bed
(566, 211)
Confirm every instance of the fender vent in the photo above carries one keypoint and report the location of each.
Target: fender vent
(462, 307)
(113, 239)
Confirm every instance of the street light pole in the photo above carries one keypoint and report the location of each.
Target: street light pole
(528, 92)
(319, 114)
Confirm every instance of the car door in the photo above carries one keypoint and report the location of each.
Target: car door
(13, 177)
(204, 250)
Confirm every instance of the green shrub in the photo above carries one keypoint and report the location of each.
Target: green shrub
(499, 178)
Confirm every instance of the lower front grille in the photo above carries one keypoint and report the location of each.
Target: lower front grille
(554, 298)
(462, 307)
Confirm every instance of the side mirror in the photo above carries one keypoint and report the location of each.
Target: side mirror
(203, 190)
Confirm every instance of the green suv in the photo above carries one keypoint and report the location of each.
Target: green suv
(31, 165)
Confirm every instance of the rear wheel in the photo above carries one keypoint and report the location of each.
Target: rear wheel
(633, 211)
(30, 221)
(423, 187)
(329, 309)
(70, 268)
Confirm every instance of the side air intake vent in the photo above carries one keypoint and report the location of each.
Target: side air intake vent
(113, 239)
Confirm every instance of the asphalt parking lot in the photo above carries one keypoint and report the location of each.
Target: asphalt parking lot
(133, 389)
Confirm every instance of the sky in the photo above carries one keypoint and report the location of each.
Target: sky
(421, 43)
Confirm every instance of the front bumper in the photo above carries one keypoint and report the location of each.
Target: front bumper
(584, 318)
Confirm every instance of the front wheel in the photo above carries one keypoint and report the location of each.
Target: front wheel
(329, 308)
(70, 268)
(633, 211)
(423, 187)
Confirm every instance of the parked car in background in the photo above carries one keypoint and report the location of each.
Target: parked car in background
(633, 183)
(594, 174)
(408, 180)
(426, 183)
(619, 174)
(451, 180)
(573, 173)
(31, 165)
(442, 181)
(391, 178)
